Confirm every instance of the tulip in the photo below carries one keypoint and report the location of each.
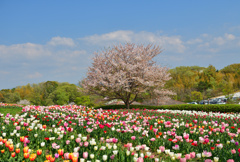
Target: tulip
(26, 155)
(61, 152)
(216, 159)
(66, 156)
(183, 159)
(25, 149)
(32, 157)
(91, 156)
(7, 144)
(70, 156)
(133, 137)
(39, 152)
(22, 138)
(85, 155)
(48, 157)
(105, 157)
(13, 154)
(74, 159)
(17, 150)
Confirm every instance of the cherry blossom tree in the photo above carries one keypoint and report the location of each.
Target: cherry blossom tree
(125, 72)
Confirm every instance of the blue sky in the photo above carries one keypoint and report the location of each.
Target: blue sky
(55, 40)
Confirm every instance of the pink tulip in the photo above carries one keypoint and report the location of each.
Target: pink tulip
(86, 144)
(140, 159)
(183, 159)
(66, 156)
(133, 137)
(192, 155)
(112, 157)
(85, 155)
(18, 127)
(67, 142)
(162, 148)
(78, 140)
(187, 156)
(233, 151)
(152, 139)
(208, 160)
(230, 160)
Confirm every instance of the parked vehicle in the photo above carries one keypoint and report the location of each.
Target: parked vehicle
(193, 103)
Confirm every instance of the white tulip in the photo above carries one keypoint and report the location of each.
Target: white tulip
(105, 157)
(91, 156)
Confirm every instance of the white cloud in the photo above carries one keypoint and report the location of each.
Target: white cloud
(27, 50)
(229, 36)
(61, 41)
(120, 36)
(194, 41)
(35, 75)
(218, 40)
(171, 43)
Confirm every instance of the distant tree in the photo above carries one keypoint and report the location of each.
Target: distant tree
(196, 96)
(125, 72)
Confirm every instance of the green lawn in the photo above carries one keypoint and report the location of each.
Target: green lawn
(12, 111)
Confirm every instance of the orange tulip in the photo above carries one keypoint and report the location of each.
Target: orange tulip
(1, 139)
(39, 152)
(2, 151)
(11, 148)
(4, 140)
(70, 156)
(22, 138)
(13, 154)
(26, 155)
(7, 144)
(48, 157)
(44, 126)
(61, 152)
(17, 150)
(25, 149)
(52, 159)
(74, 159)
(32, 157)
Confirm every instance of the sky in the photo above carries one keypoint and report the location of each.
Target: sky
(55, 40)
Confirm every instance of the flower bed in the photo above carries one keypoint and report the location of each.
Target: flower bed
(76, 133)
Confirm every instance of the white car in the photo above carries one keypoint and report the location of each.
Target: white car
(193, 103)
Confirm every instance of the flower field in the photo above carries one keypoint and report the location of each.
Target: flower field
(76, 133)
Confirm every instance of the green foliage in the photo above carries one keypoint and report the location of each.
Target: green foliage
(197, 96)
(206, 108)
(209, 81)
(48, 93)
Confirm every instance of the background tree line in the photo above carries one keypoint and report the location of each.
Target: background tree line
(188, 82)
(197, 83)
(48, 93)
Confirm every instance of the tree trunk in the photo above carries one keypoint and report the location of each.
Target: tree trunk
(127, 104)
